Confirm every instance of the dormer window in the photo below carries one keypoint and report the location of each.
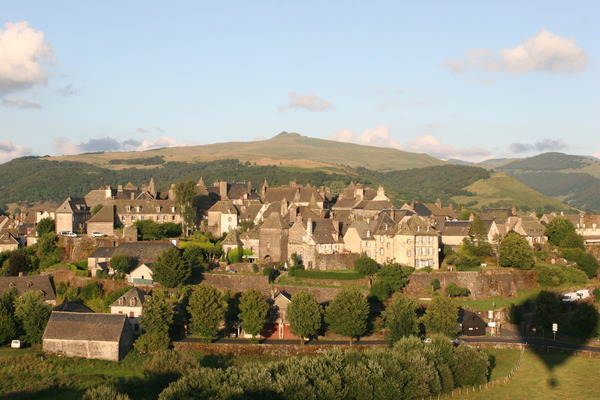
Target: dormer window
(385, 227)
(128, 208)
(29, 284)
(132, 301)
(138, 208)
(157, 208)
(172, 209)
(369, 234)
(121, 301)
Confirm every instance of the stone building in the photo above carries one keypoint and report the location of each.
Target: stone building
(88, 335)
(131, 304)
(273, 239)
(72, 215)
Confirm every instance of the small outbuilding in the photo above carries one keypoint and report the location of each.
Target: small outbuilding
(88, 335)
(472, 324)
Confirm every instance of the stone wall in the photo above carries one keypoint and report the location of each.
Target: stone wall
(481, 284)
(335, 261)
(239, 283)
(83, 348)
(270, 349)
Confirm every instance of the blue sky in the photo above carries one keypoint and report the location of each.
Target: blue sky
(483, 80)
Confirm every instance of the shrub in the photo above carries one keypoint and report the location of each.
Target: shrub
(366, 266)
(453, 290)
(293, 270)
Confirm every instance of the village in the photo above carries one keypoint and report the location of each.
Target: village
(238, 239)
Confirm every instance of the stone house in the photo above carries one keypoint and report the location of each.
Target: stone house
(530, 229)
(141, 274)
(103, 222)
(72, 215)
(137, 252)
(223, 216)
(310, 238)
(454, 232)
(41, 283)
(8, 242)
(88, 335)
(273, 239)
(131, 304)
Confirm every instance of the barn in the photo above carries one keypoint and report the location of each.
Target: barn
(88, 335)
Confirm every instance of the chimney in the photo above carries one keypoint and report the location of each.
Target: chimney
(438, 203)
(223, 190)
(132, 196)
(108, 192)
(120, 188)
(309, 227)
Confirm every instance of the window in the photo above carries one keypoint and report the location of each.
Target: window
(381, 239)
(157, 208)
(123, 218)
(367, 244)
(142, 216)
(382, 251)
(388, 246)
(158, 217)
(408, 241)
(368, 253)
(138, 208)
(430, 251)
(408, 253)
(369, 234)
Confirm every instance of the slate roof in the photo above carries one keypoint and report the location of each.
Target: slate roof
(232, 239)
(134, 292)
(298, 194)
(456, 228)
(27, 283)
(72, 306)
(224, 207)
(75, 205)
(6, 238)
(274, 221)
(500, 215)
(136, 250)
(106, 214)
(85, 326)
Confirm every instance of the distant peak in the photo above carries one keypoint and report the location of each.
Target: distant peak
(287, 134)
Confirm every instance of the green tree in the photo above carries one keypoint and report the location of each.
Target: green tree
(400, 319)
(185, 192)
(194, 256)
(453, 290)
(253, 311)
(547, 309)
(472, 366)
(8, 325)
(572, 241)
(120, 263)
(91, 290)
(15, 264)
(366, 266)
(207, 307)
(585, 261)
(32, 314)
(478, 231)
(305, 315)
(46, 225)
(515, 252)
(441, 316)
(170, 269)
(435, 285)
(347, 313)
(585, 319)
(156, 322)
(558, 229)
(391, 277)
(104, 392)
(148, 229)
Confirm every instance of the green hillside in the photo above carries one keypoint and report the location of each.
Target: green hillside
(502, 190)
(573, 179)
(285, 149)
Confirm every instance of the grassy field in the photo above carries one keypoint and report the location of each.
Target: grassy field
(547, 376)
(495, 303)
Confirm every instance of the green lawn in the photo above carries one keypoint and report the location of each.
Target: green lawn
(495, 303)
(547, 376)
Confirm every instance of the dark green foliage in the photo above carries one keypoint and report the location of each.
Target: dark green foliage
(237, 255)
(585, 261)
(104, 392)
(586, 320)
(391, 278)
(8, 325)
(268, 271)
(515, 252)
(293, 271)
(91, 290)
(435, 284)
(253, 311)
(558, 229)
(156, 160)
(47, 250)
(555, 275)
(453, 290)
(441, 316)
(111, 297)
(185, 192)
(409, 370)
(32, 313)
(156, 322)
(547, 307)
(347, 313)
(305, 315)
(400, 319)
(194, 256)
(317, 274)
(463, 261)
(120, 263)
(15, 264)
(515, 314)
(366, 266)
(572, 241)
(551, 161)
(207, 308)
(170, 269)
(46, 225)
(170, 229)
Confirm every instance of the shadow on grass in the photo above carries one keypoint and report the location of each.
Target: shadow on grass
(576, 323)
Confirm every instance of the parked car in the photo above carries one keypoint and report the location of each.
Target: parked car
(15, 344)
(98, 234)
(71, 234)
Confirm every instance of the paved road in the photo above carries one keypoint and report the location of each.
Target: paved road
(471, 339)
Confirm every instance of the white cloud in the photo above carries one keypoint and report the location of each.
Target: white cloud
(19, 103)
(455, 65)
(9, 150)
(65, 146)
(597, 154)
(429, 144)
(310, 102)
(22, 53)
(543, 52)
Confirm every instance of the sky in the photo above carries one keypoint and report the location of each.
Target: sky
(470, 80)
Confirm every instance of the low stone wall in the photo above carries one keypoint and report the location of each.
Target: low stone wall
(239, 283)
(335, 261)
(481, 284)
(280, 350)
